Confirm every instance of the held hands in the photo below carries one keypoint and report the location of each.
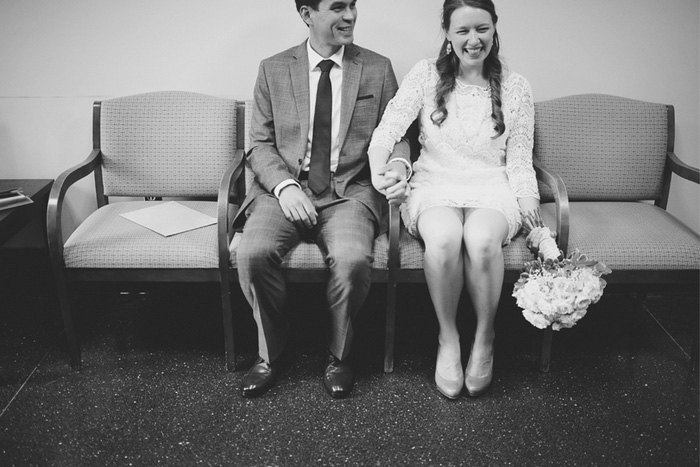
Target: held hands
(391, 181)
(297, 207)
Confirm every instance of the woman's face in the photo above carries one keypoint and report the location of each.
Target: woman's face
(471, 34)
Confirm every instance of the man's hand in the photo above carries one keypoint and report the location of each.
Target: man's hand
(297, 207)
(391, 181)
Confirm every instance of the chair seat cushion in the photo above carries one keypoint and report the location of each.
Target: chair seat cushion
(633, 236)
(107, 240)
(307, 255)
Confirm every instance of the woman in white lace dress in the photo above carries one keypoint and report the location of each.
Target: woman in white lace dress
(473, 177)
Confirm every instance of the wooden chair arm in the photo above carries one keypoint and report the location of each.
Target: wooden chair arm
(54, 208)
(682, 169)
(561, 201)
(225, 213)
(393, 255)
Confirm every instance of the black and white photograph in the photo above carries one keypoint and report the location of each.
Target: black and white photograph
(349, 233)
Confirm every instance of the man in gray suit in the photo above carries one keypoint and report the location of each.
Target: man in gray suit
(312, 123)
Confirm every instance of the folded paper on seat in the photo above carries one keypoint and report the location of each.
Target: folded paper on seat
(169, 218)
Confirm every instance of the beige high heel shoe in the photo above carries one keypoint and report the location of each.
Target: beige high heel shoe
(477, 380)
(450, 388)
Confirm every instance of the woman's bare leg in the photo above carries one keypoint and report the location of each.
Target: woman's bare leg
(441, 230)
(485, 230)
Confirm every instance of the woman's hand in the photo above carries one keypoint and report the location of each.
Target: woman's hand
(534, 242)
(390, 180)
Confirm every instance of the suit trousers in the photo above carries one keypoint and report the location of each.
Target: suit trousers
(345, 233)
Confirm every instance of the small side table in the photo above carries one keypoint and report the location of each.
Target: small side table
(14, 219)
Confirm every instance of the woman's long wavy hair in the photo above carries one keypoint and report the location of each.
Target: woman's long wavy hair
(448, 66)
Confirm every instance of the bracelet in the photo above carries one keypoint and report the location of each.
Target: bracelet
(409, 167)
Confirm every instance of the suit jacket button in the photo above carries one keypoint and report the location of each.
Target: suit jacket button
(299, 161)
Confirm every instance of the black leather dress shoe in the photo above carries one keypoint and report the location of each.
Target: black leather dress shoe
(338, 378)
(259, 379)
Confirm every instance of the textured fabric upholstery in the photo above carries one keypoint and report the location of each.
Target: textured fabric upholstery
(611, 153)
(107, 240)
(166, 143)
(169, 143)
(633, 236)
(604, 147)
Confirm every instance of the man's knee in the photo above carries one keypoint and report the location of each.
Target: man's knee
(254, 255)
(350, 263)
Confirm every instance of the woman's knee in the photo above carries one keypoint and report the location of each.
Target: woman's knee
(441, 231)
(443, 243)
(484, 232)
(483, 245)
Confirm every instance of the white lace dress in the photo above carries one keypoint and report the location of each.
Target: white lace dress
(460, 164)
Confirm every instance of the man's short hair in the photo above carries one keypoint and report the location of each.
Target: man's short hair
(313, 4)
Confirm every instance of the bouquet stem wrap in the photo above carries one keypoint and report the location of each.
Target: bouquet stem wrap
(547, 247)
(539, 235)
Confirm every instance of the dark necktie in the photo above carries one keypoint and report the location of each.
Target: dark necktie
(320, 167)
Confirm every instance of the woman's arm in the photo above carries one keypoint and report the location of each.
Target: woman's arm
(390, 177)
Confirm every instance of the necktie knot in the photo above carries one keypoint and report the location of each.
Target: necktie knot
(326, 65)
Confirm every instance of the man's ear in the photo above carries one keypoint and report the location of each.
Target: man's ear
(305, 14)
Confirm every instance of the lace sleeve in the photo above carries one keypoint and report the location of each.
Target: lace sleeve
(519, 145)
(403, 109)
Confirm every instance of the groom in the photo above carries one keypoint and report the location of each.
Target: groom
(316, 106)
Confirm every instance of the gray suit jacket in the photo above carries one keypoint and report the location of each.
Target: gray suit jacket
(280, 123)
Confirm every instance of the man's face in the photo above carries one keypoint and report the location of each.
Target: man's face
(331, 26)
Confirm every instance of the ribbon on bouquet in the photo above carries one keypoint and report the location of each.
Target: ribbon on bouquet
(539, 235)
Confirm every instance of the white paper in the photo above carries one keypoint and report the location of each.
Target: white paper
(169, 218)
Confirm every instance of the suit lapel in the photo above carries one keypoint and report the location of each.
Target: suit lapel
(352, 71)
(299, 71)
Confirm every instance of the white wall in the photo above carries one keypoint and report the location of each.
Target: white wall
(56, 58)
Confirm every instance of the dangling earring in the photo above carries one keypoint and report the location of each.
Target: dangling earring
(448, 48)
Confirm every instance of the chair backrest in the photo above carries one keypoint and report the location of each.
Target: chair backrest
(166, 143)
(605, 147)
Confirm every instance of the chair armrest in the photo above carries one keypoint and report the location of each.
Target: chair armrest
(682, 169)
(393, 255)
(54, 208)
(225, 214)
(561, 201)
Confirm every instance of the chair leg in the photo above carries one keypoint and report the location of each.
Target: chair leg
(68, 326)
(227, 309)
(546, 349)
(390, 326)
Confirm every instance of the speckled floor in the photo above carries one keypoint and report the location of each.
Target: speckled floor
(153, 390)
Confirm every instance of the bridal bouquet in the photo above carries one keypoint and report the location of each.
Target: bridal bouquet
(553, 290)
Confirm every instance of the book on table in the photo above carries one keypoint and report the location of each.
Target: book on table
(13, 198)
